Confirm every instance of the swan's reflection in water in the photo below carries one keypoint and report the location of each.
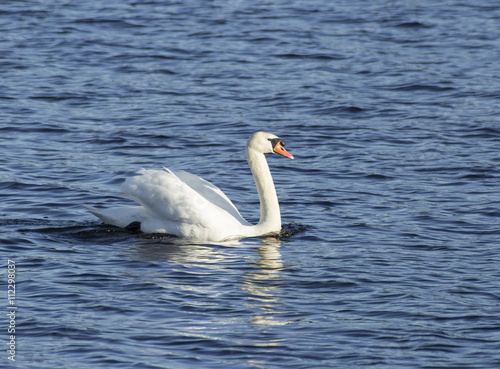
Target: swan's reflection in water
(260, 282)
(181, 252)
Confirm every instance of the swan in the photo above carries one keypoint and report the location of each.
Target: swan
(184, 205)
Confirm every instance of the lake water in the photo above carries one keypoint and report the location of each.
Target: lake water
(392, 252)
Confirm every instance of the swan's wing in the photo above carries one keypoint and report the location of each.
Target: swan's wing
(209, 191)
(170, 198)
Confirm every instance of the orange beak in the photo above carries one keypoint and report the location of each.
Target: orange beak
(279, 149)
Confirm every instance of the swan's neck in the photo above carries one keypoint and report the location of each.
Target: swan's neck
(270, 218)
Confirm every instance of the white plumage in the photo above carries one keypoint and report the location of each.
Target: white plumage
(184, 205)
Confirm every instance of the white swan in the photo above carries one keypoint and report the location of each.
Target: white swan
(187, 206)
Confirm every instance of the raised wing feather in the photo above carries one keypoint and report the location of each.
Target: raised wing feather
(180, 197)
(209, 191)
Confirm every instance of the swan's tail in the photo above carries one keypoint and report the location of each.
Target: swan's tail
(120, 217)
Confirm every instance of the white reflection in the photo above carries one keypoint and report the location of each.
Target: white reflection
(182, 252)
(262, 283)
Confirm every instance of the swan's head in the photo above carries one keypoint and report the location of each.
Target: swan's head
(268, 143)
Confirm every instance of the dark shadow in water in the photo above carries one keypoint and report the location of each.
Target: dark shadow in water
(98, 232)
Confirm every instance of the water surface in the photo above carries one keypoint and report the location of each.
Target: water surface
(391, 110)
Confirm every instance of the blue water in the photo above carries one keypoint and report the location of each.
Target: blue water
(392, 252)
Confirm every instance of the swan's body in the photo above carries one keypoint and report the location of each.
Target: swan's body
(184, 205)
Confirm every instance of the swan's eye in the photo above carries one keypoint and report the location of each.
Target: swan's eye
(276, 141)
